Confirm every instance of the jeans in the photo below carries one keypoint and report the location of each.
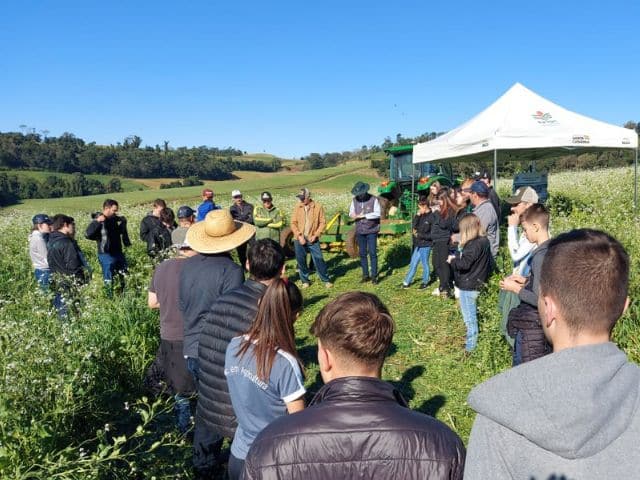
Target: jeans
(419, 255)
(368, 244)
(470, 316)
(42, 277)
(60, 305)
(316, 255)
(182, 410)
(112, 266)
(206, 444)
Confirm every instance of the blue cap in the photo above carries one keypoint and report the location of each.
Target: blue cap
(480, 188)
(41, 218)
(185, 211)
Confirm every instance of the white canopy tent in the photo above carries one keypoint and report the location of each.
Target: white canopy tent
(528, 126)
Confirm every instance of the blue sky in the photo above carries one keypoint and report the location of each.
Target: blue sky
(291, 78)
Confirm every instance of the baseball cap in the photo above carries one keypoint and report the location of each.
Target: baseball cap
(266, 196)
(41, 218)
(523, 194)
(179, 238)
(185, 211)
(304, 193)
(480, 188)
(236, 193)
(207, 192)
(482, 174)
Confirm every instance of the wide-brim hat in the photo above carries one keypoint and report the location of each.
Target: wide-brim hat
(360, 188)
(219, 233)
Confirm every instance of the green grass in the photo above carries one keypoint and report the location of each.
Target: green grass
(128, 184)
(335, 179)
(65, 384)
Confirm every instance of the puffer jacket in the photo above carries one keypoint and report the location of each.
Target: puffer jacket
(229, 317)
(356, 427)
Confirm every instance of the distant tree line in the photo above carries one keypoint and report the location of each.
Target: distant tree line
(68, 153)
(14, 188)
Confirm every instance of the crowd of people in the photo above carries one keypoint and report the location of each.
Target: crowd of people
(229, 357)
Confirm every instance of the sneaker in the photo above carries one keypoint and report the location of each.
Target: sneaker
(404, 285)
(305, 285)
(365, 279)
(456, 292)
(423, 286)
(436, 292)
(374, 280)
(328, 285)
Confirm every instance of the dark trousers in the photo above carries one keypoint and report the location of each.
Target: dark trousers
(207, 445)
(368, 245)
(235, 467)
(443, 269)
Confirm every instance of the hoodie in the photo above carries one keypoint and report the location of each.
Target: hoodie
(573, 415)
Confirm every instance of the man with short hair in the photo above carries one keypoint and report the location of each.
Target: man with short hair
(66, 262)
(203, 280)
(523, 323)
(229, 317)
(150, 223)
(307, 224)
(110, 232)
(574, 413)
(268, 219)
(483, 209)
(207, 204)
(357, 426)
(365, 212)
(485, 177)
(186, 218)
(241, 211)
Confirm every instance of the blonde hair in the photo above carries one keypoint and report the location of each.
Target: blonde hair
(467, 183)
(470, 228)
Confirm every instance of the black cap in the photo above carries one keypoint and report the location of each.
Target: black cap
(41, 218)
(185, 211)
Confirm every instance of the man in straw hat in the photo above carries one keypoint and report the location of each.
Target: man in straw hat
(365, 211)
(204, 278)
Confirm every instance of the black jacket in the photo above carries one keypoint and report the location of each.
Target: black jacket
(158, 240)
(109, 235)
(442, 228)
(203, 280)
(64, 257)
(472, 266)
(242, 212)
(229, 317)
(356, 427)
(422, 230)
(497, 204)
(147, 225)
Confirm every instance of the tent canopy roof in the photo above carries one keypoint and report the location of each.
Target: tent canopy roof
(524, 121)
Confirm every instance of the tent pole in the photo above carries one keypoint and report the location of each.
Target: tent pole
(495, 169)
(413, 188)
(635, 183)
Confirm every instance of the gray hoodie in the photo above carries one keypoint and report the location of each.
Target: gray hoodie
(38, 250)
(571, 415)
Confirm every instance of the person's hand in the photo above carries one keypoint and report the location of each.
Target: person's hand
(513, 220)
(301, 240)
(512, 283)
(313, 238)
(101, 218)
(450, 258)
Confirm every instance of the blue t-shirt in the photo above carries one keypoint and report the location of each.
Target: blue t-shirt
(204, 208)
(257, 403)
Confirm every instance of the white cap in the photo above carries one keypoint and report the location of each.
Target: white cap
(236, 193)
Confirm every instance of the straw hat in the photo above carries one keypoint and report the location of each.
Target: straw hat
(218, 233)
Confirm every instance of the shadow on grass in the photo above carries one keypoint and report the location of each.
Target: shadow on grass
(339, 265)
(308, 301)
(404, 385)
(433, 405)
(397, 255)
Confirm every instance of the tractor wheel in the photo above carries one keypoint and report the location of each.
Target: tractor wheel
(385, 205)
(351, 244)
(286, 242)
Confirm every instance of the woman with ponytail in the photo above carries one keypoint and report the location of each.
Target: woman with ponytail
(263, 370)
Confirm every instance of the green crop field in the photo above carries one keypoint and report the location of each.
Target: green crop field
(72, 405)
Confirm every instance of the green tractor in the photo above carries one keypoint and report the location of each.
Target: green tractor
(398, 195)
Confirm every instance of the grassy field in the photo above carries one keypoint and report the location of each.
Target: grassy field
(72, 403)
(335, 179)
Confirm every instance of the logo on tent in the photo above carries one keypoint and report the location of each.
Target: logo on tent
(544, 118)
(581, 139)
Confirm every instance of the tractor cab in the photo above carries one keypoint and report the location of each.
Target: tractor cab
(407, 180)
